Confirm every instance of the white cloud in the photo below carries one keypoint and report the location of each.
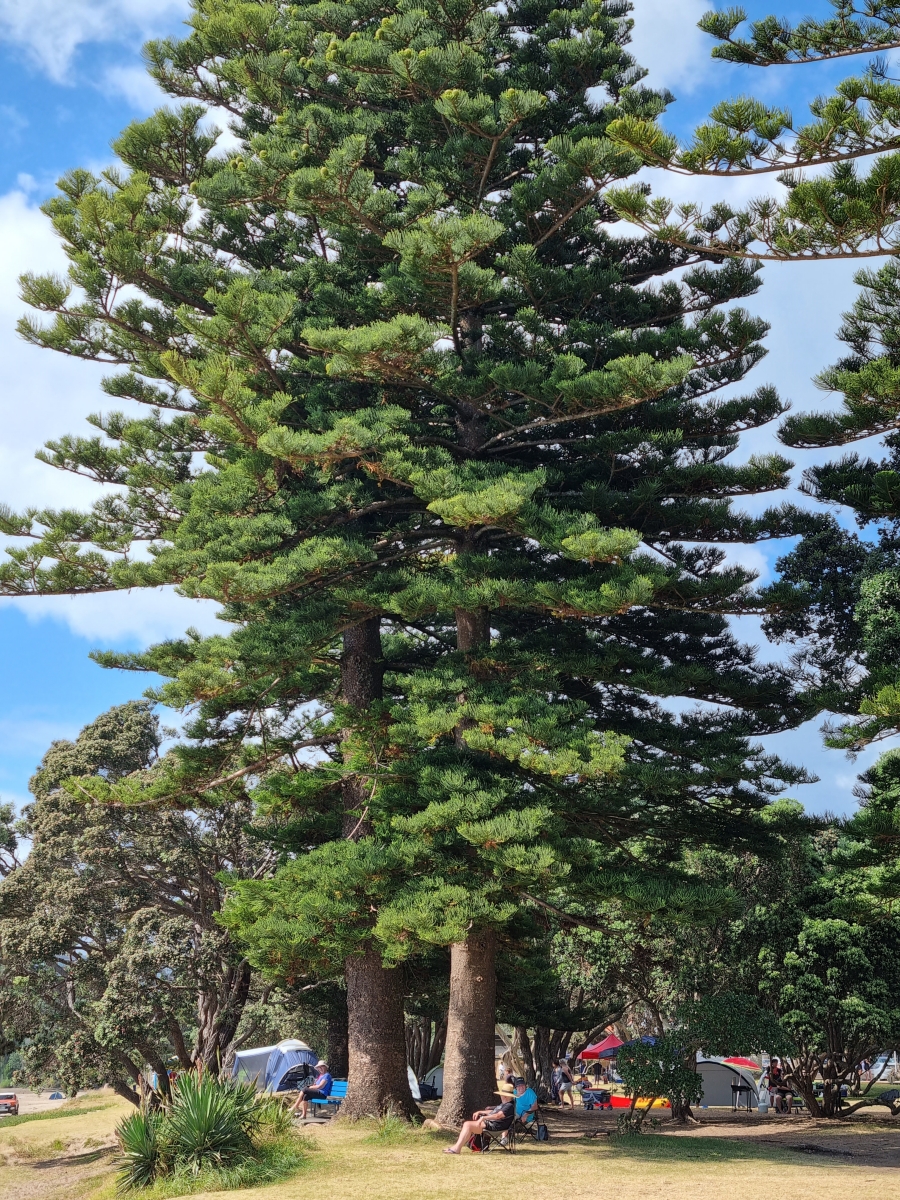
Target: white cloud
(142, 616)
(44, 395)
(668, 43)
(52, 31)
(138, 87)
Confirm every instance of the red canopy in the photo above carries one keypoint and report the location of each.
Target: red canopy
(744, 1062)
(609, 1043)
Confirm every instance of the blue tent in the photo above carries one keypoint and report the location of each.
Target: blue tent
(285, 1057)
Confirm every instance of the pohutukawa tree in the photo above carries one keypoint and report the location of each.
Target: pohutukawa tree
(448, 453)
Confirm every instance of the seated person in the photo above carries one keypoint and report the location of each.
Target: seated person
(526, 1101)
(784, 1097)
(320, 1090)
(494, 1120)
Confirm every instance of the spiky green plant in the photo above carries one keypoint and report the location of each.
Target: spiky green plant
(141, 1150)
(210, 1121)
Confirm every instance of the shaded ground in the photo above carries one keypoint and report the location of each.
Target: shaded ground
(872, 1138)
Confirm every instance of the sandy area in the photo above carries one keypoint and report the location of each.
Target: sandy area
(32, 1102)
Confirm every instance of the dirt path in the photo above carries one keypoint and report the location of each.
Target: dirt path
(66, 1175)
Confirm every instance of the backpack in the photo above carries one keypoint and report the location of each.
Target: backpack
(478, 1142)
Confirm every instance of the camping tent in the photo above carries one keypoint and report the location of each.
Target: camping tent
(435, 1078)
(600, 1049)
(250, 1065)
(717, 1080)
(284, 1057)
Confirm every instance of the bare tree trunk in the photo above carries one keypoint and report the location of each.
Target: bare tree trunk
(469, 1077)
(469, 1074)
(438, 1042)
(378, 1082)
(376, 1045)
(523, 1049)
(542, 1061)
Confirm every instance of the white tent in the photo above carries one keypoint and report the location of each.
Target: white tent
(436, 1078)
(250, 1065)
(717, 1080)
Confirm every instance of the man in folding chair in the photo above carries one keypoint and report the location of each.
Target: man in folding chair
(490, 1126)
(526, 1108)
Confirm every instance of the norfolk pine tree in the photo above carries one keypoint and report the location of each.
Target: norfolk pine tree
(851, 211)
(402, 377)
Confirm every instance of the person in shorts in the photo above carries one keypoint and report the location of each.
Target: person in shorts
(495, 1120)
(320, 1090)
(565, 1083)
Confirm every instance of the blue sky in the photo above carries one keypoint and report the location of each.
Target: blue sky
(70, 78)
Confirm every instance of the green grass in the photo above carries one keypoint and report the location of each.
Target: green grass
(389, 1130)
(55, 1114)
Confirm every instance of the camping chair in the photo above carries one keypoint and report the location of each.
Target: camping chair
(496, 1139)
(530, 1126)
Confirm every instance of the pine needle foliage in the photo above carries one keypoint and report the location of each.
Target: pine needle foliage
(385, 362)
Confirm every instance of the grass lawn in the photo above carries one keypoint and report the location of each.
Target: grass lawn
(71, 1160)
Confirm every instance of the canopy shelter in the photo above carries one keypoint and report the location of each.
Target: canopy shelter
(718, 1078)
(612, 1051)
(604, 1049)
(290, 1062)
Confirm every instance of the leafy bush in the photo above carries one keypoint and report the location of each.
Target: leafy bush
(212, 1132)
(655, 1071)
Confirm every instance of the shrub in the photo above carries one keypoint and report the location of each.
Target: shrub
(214, 1134)
(209, 1122)
(139, 1143)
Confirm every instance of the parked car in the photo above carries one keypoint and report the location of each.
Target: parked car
(9, 1103)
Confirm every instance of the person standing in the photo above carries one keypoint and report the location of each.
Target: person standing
(565, 1082)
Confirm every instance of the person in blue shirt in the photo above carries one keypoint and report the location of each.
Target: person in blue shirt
(526, 1101)
(320, 1090)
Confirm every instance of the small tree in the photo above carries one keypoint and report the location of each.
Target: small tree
(653, 1068)
(110, 953)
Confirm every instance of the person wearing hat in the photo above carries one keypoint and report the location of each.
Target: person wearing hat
(526, 1100)
(320, 1090)
(498, 1119)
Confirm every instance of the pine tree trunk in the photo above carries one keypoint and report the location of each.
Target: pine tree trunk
(469, 1077)
(542, 1062)
(378, 1082)
(376, 1042)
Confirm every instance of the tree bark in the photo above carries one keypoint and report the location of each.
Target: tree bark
(376, 1043)
(469, 1077)
(523, 1049)
(469, 1069)
(378, 1082)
